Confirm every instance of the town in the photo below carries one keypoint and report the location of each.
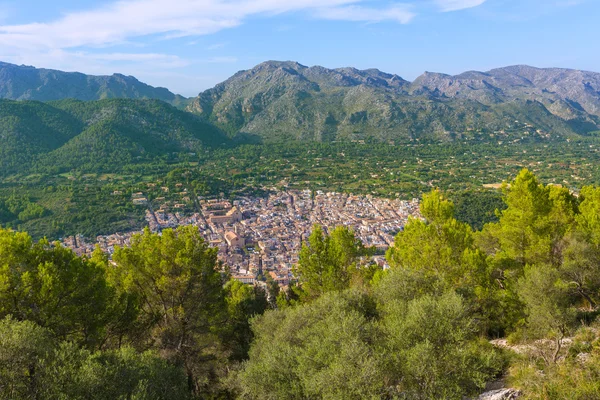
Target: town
(259, 236)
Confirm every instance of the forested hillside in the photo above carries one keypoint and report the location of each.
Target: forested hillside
(163, 320)
(59, 136)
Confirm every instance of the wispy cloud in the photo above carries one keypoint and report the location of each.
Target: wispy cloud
(398, 13)
(137, 57)
(216, 46)
(57, 43)
(220, 60)
(123, 20)
(81, 40)
(455, 5)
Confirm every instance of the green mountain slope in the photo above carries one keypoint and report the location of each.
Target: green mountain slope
(119, 131)
(31, 128)
(100, 134)
(29, 83)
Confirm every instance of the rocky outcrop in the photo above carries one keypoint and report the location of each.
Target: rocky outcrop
(500, 394)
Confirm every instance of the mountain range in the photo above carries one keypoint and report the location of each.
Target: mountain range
(277, 101)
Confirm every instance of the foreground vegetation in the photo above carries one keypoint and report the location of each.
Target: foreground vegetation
(162, 319)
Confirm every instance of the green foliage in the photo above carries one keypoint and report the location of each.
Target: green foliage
(477, 207)
(441, 252)
(346, 345)
(81, 200)
(15, 209)
(97, 136)
(74, 373)
(436, 245)
(433, 348)
(180, 287)
(53, 287)
(23, 347)
(551, 313)
(160, 320)
(329, 262)
(243, 303)
(321, 350)
(530, 229)
(33, 365)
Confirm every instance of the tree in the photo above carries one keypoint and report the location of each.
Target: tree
(531, 228)
(329, 262)
(323, 349)
(549, 310)
(177, 277)
(436, 245)
(273, 290)
(349, 345)
(78, 374)
(53, 287)
(441, 252)
(531, 233)
(243, 303)
(433, 348)
(23, 347)
(581, 250)
(580, 269)
(33, 365)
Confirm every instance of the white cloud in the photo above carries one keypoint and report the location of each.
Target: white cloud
(398, 13)
(59, 43)
(79, 41)
(123, 20)
(455, 5)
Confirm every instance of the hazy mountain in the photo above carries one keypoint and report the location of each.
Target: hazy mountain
(29, 83)
(277, 100)
(566, 93)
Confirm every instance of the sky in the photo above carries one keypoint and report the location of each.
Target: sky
(190, 45)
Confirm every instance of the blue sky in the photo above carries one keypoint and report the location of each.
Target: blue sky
(190, 45)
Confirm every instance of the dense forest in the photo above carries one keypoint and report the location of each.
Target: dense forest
(457, 309)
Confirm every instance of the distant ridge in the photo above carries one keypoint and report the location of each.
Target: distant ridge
(30, 83)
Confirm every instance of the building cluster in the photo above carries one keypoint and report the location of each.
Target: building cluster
(261, 236)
